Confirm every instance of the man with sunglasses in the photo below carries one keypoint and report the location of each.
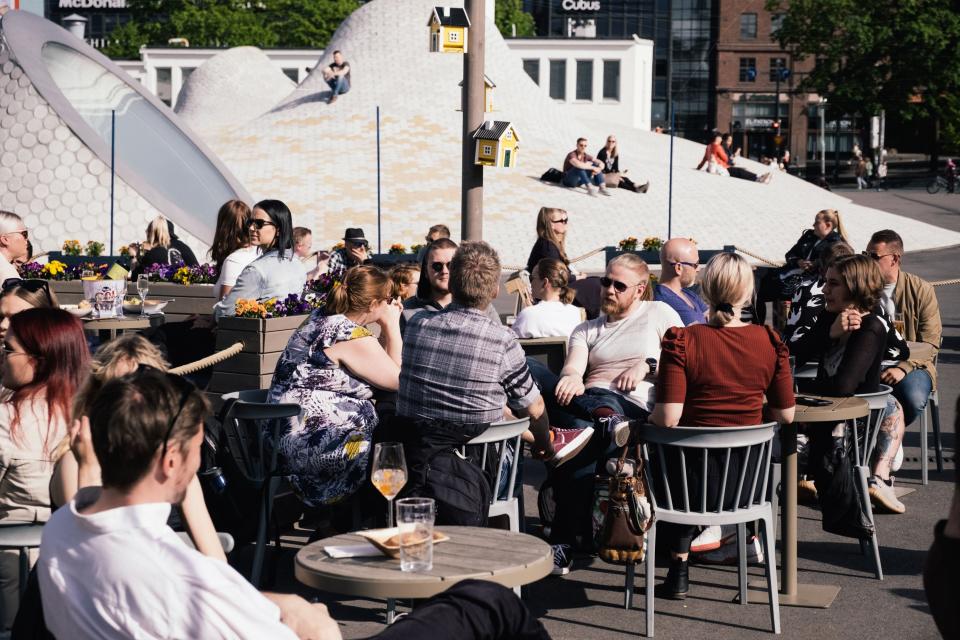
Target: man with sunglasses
(679, 262)
(355, 251)
(13, 244)
(915, 300)
(582, 169)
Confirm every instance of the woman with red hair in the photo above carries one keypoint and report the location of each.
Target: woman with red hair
(45, 359)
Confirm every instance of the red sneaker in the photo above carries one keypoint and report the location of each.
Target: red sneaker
(568, 442)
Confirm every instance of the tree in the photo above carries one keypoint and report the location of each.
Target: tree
(510, 13)
(228, 23)
(897, 55)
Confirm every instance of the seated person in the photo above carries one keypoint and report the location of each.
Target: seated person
(807, 303)
(552, 227)
(277, 273)
(232, 249)
(405, 278)
(435, 232)
(355, 251)
(613, 177)
(716, 375)
(19, 295)
(679, 261)
(337, 75)
(330, 368)
(554, 314)
(302, 242)
(14, 244)
(580, 169)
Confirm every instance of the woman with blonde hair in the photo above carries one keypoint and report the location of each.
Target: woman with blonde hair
(716, 375)
(554, 314)
(331, 366)
(552, 226)
(157, 246)
(405, 278)
(76, 464)
(609, 155)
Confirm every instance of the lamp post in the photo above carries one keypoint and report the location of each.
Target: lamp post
(780, 74)
(471, 196)
(823, 138)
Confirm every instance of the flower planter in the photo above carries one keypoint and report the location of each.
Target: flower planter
(653, 257)
(187, 299)
(390, 259)
(263, 343)
(72, 261)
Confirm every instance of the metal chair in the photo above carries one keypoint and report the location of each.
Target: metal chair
(933, 406)
(863, 446)
(23, 537)
(226, 540)
(748, 488)
(243, 413)
(499, 435)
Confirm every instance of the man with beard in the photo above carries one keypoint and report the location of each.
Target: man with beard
(680, 261)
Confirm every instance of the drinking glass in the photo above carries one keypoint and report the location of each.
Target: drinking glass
(389, 473)
(143, 286)
(88, 274)
(898, 323)
(415, 520)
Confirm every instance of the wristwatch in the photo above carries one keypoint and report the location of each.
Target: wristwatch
(652, 363)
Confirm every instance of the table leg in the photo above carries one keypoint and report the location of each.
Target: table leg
(391, 610)
(792, 594)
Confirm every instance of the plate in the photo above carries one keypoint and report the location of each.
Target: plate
(76, 310)
(387, 540)
(153, 306)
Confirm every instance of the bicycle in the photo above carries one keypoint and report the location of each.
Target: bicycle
(935, 185)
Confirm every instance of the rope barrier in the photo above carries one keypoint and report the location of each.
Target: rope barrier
(940, 283)
(589, 254)
(209, 361)
(772, 263)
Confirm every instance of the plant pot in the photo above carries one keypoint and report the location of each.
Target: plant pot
(390, 259)
(263, 343)
(188, 300)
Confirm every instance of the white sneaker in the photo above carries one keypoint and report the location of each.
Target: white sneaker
(712, 538)
(727, 553)
(884, 497)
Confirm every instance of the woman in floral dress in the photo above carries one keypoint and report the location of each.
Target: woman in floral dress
(330, 367)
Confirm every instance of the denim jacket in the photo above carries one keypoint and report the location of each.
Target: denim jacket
(267, 277)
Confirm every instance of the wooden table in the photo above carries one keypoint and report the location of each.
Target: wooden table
(507, 558)
(108, 328)
(792, 593)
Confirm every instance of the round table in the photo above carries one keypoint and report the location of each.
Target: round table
(505, 557)
(108, 328)
(839, 410)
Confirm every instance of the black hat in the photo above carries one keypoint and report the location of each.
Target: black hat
(354, 235)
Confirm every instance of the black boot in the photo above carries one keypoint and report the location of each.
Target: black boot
(677, 584)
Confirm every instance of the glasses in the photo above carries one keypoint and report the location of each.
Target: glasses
(692, 265)
(438, 267)
(7, 351)
(560, 221)
(258, 223)
(184, 386)
(357, 243)
(877, 256)
(22, 232)
(32, 285)
(620, 287)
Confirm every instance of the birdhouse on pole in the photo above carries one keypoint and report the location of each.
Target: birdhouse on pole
(449, 29)
(488, 87)
(497, 144)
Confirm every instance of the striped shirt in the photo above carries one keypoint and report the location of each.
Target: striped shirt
(460, 366)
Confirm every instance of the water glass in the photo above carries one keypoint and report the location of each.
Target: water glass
(415, 520)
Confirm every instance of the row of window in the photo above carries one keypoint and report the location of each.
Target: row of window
(584, 78)
(778, 67)
(748, 25)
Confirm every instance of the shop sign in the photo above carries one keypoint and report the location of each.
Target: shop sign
(92, 4)
(577, 5)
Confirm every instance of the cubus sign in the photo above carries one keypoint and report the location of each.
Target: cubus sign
(581, 5)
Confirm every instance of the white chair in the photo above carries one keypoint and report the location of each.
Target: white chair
(499, 435)
(226, 540)
(863, 446)
(748, 488)
(22, 537)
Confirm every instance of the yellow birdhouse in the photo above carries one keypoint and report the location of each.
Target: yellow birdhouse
(497, 144)
(448, 30)
(488, 87)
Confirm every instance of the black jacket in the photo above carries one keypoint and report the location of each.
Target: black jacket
(543, 248)
(807, 248)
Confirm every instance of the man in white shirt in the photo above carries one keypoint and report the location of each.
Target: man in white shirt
(13, 244)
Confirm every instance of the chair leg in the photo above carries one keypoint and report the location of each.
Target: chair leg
(628, 587)
(868, 511)
(923, 445)
(771, 569)
(391, 610)
(650, 576)
(934, 404)
(776, 488)
(260, 550)
(742, 561)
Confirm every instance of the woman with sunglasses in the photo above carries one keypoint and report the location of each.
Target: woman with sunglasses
(232, 249)
(277, 272)
(552, 226)
(331, 366)
(19, 295)
(716, 375)
(609, 155)
(45, 359)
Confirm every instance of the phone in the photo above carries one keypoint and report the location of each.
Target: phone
(812, 402)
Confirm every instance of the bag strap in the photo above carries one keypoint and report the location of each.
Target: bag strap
(622, 460)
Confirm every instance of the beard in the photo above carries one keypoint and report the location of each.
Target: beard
(611, 307)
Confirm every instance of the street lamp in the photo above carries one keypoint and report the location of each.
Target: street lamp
(781, 75)
(822, 106)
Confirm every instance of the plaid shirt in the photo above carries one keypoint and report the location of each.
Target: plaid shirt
(460, 366)
(338, 263)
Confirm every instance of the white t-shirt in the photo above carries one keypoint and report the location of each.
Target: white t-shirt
(887, 300)
(7, 270)
(614, 347)
(125, 573)
(546, 319)
(233, 264)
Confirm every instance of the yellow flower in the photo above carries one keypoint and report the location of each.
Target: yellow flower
(182, 275)
(53, 269)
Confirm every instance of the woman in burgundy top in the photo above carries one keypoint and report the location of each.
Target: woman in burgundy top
(716, 375)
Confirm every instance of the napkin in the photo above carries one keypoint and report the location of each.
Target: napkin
(352, 550)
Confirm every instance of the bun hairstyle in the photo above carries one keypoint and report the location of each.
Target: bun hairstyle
(831, 254)
(727, 281)
(558, 275)
(401, 276)
(361, 287)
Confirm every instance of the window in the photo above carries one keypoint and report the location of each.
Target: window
(748, 69)
(508, 134)
(532, 67)
(584, 79)
(558, 79)
(487, 150)
(611, 79)
(777, 65)
(748, 26)
(453, 36)
(292, 74)
(776, 21)
(165, 85)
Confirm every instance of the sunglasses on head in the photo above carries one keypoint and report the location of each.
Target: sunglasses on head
(620, 287)
(184, 386)
(438, 267)
(258, 223)
(32, 285)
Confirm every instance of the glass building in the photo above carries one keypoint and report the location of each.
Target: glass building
(684, 34)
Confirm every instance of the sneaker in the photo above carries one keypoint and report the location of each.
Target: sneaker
(562, 559)
(618, 428)
(604, 191)
(883, 496)
(332, 99)
(568, 443)
(727, 553)
(643, 188)
(712, 538)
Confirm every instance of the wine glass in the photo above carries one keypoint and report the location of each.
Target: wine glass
(389, 473)
(143, 287)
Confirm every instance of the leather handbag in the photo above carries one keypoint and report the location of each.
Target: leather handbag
(628, 516)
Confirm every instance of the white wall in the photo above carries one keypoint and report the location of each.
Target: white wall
(636, 68)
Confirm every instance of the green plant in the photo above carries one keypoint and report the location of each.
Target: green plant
(94, 249)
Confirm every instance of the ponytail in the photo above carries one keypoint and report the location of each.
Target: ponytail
(567, 295)
(361, 287)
